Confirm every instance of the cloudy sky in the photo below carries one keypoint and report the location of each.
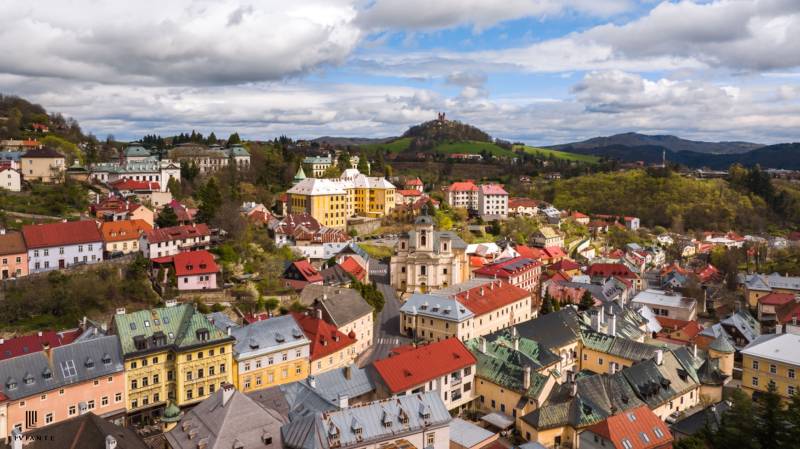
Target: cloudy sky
(539, 71)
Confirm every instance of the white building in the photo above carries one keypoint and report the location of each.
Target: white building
(492, 202)
(667, 304)
(60, 245)
(464, 195)
(145, 170)
(11, 180)
(164, 242)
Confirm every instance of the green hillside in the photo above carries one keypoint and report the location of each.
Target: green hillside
(587, 158)
(472, 147)
(395, 146)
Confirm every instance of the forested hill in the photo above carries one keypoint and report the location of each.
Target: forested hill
(443, 130)
(18, 115)
(667, 142)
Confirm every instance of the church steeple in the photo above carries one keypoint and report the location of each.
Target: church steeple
(299, 176)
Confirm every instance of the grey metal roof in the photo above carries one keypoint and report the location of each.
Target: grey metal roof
(320, 393)
(468, 434)
(343, 305)
(652, 296)
(364, 425)
(223, 423)
(76, 362)
(455, 241)
(710, 416)
(436, 306)
(656, 384)
(270, 335)
(745, 323)
(553, 330)
(83, 431)
(767, 282)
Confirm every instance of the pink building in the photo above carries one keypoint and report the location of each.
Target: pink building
(196, 270)
(54, 384)
(13, 255)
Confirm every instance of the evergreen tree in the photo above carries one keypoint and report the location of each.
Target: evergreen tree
(234, 139)
(363, 166)
(210, 201)
(174, 187)
(344, 161)
(587, 301)
(212, 139)
(167, 218)
(737, 427)
(770, 430)
(547, 304)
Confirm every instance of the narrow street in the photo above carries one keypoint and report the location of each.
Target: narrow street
(386, 334)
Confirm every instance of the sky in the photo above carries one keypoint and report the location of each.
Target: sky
(536, 71)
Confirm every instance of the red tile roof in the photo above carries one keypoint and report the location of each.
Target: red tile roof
(527, 251)
(776, 299)
(578, 215)
(351, 265)
(325, 338)
(417, 366)
(708, 273)
(409, 192)
(130, 184)
(690, 329)
(516, 202)
(493, 189)
(177, 233)
(476, 261)
(610, 269)
(554, 252)
(788, 312)
(306, 270)
(27, 344)
(194, 262)
(414, 182)
(12, 243)
(491, 296)
(61, 234)
(505, 268)
(564, 264)
(630, 425)
(466, 186)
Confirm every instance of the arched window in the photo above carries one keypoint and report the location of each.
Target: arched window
(423, 238)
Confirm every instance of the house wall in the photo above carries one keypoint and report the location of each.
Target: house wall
(10, 180)
(547, 437)
(172, 247)
(125, 246)
(461, 382)
(42, 169)
(362, 328)
(338, 359)
(679, 403)
(47, 259)
(270, 369)
(145, 214)
(785, 376)
(493, 205)
(103, 396)
(197, 282)
(600, 362)
(501, 318)
(432, 329)
(13, 265)
(496, 398)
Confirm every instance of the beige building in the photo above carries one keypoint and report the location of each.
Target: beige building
(426, 259)
(45, 165)
(345, 309)
(471, 309)
(772, 359)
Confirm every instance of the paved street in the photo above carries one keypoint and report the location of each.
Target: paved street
(387, 324)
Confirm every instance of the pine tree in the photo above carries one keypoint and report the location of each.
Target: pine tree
(737, 427)
(363, 166)
(167, 218)
(547, 304)
(210, 200)
(212, 139)
(234, 139)
(770, 430)
(587, 301)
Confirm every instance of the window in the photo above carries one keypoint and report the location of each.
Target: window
(134, 403)
(791, 373)
(48, 418)
(430, 439)
(790, 390)
(134, 384)
(71, 411)
(773, 369)
(755, 364)
(658, 432)
(644, 437)
(90, 405)
(626, 444)
(104, 401)
(188, 375)
(755, 381)
(118, 397)
(189, 393)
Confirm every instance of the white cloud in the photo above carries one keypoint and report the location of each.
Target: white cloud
(178, 42)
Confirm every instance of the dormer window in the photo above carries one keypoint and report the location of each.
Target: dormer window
(11, 383)
(202, 334)
(47, 374)
(106, 359)
(89, 363)
(28, 379)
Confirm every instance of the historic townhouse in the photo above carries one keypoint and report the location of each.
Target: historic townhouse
(46, 165)
(123, 236)
(345, 309)
(169, 241)
(54, 246)
(54, 384)
(772, 360)
(267, 353)
(518, 271)
(446, 366)
(330, 348)
(172, 353)
(13, 255)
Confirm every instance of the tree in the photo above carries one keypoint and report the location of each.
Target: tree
(212, 139)
(234, 139)
(737, 427)
(363, 163)
(692, 442)
(343, 162)
(210, 201)
(166, 218)
(174, 187)
(548, 305)
(770, 429)
(587, 301)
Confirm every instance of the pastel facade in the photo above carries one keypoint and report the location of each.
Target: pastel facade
(55, 246)
(169, 241)
(492, 202)
(56, 384)
(13, 255)
(772, 359)
(145, 170)
(10, 180)
(44, 165)
(123, 236)
(171, 353)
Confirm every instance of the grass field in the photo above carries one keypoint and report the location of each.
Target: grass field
(395, 146)
(587, 158)
(473, 147)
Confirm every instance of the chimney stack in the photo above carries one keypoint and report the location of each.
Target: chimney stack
(612, 326)
(111, 442)
(16, 439)
(516, 343)
(348, 372)
(483, 345)
(312, 381)
(227, 393)
(319, 314)
(694, 350)
(344, 401)
(526, 380)
(659, 356)
(573, 389)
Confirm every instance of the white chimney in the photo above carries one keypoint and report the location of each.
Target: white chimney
(573, 389)
(111, 442)
(612, 326)
(483, 345)
(319, 314)
(659, 356)
(694, 350)
(516, 343)
(227, 393)
(595, 320)
(344, 401)
(602, 315)
(526, 380)
(312, 381)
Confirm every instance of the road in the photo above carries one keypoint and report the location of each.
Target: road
(386, 334)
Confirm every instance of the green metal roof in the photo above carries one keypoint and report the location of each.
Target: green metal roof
(722, 344)
(179, 324)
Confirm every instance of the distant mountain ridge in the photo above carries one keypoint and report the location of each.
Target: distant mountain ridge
(669, 142)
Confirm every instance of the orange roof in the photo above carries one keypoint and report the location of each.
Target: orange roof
(415, 366)
(476, 261)
(194, 262)
(516, 202)
(527, 251)
(577, 214)
(350, 265)
(630, 426)
(177, 233)
(414, 182)
(61, 234)
(117, 231)
(410, 192)
(466, 186)
(689, 328)
(491, 296)
(325, 338)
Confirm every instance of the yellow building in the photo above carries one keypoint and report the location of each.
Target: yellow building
(333, 201)
(503, 384)
(603, 353)
(772, 360)
(759, 285)
(330, 348)
(171, 353)
(271, 352)
(45, 165)
(122, 236)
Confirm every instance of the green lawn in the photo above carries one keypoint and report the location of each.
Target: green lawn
(589, 159)
(395, 146)
(473, 147)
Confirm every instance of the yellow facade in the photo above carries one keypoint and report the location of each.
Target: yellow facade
(338, 359)
(252, 375)
(500, 399)
(556, 437)
(186, 377)
(759, 372)
(600, 362)
(328, 210)
(44, 169)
